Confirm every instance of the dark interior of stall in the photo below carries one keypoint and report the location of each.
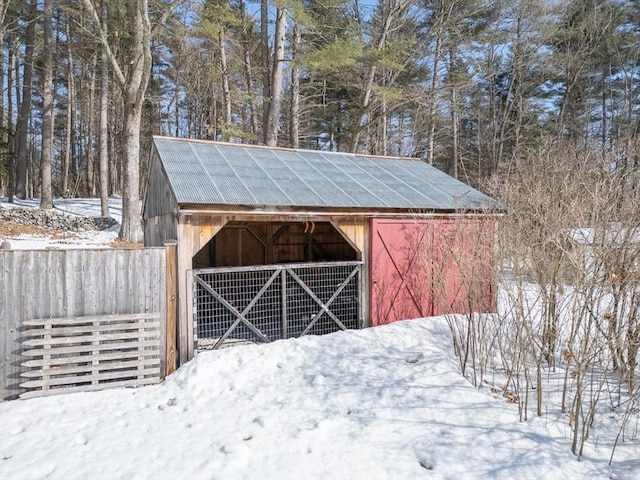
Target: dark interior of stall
(256, 243)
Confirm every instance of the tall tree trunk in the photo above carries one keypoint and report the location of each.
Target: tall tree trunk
(134, 91)
(3, 9)
(384, 140)
(264, 55)
(454, 131)
(434, 93)
(253, 113)
(453, 109)
(24, 113)
(5, 129)
(134, 87)
(46, 198)
(104, 118)
(66, 159)
(89, 138)
(294, 129)
(115, 180)
(12, 87)
(253, 109)
(131, 227)
(33, 166)
(277, 74)
(226, 92)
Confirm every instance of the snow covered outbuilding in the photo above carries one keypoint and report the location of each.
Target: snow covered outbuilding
(275, 243)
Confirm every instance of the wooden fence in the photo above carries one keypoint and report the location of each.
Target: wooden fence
(84, 319)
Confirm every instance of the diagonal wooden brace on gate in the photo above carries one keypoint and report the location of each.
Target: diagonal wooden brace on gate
(324, 307)
(246, 311)
(241, 317)
(225, 300)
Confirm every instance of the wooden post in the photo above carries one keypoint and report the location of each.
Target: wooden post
(172, 305)
(193, 233)
(283, 279)
(356, 231)
(268, 248)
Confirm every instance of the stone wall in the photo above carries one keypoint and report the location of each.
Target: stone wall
(55, 220)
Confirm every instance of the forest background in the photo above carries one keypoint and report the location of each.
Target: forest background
(535, 102)
(470, 86)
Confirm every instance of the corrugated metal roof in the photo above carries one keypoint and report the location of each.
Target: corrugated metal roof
(212, 173)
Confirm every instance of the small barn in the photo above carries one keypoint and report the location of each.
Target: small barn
(275, 243)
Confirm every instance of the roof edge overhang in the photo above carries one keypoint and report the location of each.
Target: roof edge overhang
(191, 209)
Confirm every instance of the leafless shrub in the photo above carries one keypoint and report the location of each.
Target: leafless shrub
(627, 426)
(459, 261)
(568, 249)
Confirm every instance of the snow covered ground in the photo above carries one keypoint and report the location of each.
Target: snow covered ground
(380, 403)
(75, 206)
(386, 402)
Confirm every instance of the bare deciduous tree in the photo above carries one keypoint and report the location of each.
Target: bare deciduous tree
(133, 82)
(46, 196)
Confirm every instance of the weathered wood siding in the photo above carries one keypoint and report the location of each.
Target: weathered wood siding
(42, 284)
(160, 230)
(160, 211)
(159, 198)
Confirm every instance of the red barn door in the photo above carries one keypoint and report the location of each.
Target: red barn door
(400, 275)
(430, 267)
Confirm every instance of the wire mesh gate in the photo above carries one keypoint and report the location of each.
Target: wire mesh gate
(271, 302)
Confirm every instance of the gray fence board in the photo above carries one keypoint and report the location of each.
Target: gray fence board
(97, 344)
(124, 383)
(72, 284)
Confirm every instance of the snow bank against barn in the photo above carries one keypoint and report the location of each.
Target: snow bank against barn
(377, 403)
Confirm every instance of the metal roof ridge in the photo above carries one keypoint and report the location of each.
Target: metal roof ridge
(388, 157)
(308, 150)
(284, 149)
(224, 144)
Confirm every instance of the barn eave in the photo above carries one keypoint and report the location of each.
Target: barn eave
(319, 211)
